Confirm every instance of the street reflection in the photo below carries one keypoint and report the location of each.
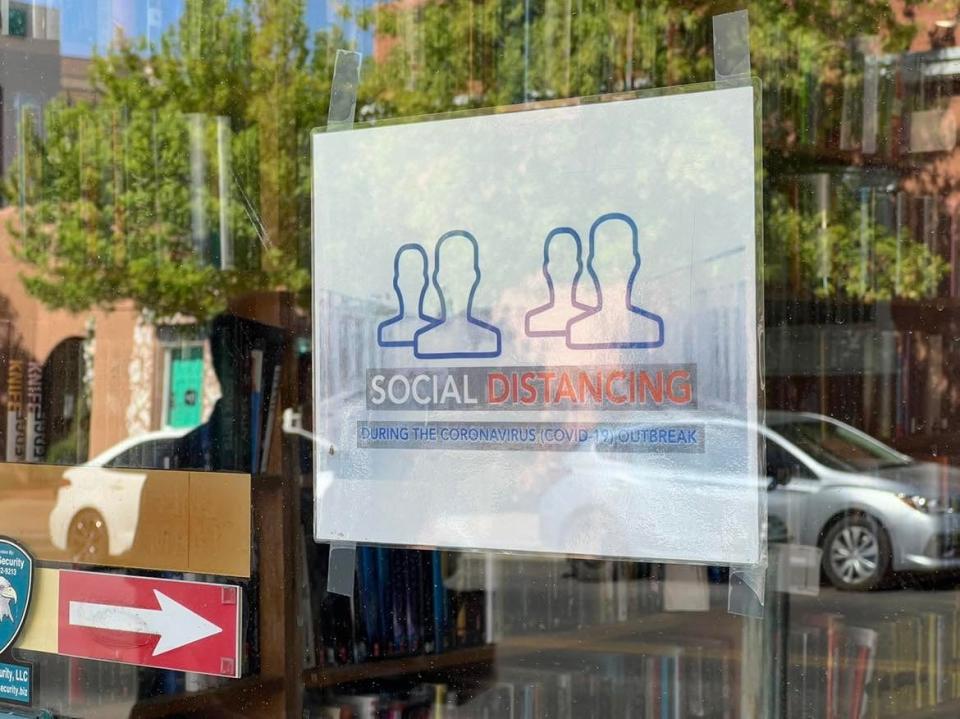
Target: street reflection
(872, 510)
(155, 166)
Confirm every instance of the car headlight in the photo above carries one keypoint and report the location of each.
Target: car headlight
(925, 504)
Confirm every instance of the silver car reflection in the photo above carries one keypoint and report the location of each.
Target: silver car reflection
(871, 510)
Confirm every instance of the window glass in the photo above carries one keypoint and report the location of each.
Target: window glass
(161, 437)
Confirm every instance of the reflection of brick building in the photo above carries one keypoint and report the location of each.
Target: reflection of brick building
(134, 363)
(882, 142)
(132, 367)
(32, 68)
(124, 367)
(32, 332)
(33, 72)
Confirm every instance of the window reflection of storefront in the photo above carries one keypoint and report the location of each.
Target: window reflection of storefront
(858, 319)
(861, 275)
(143, 379)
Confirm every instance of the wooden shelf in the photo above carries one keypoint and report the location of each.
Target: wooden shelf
(240, 696)
(419, 664)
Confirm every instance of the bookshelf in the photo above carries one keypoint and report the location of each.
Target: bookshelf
(616, 646)
(617, 638)
(280, 681)
(272, 684)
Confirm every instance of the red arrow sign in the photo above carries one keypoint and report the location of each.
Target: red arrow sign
(186, 626)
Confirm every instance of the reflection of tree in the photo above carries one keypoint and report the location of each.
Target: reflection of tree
(440, 56)
(129, 197)
(444, 56)
(837, 256)
(110, 201)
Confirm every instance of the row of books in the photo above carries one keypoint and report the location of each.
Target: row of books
(409, 601)
(917, 661)
(692, 678)
(536, 595)
(247, 356)
(401, 605)
(874, 666)
(830, 666)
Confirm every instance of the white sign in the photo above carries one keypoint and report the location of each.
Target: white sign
(537, 331)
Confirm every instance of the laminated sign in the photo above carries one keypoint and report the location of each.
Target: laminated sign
(537, 330)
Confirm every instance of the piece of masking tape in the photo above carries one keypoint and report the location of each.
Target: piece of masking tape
(342, 564)
(343, 90)
(731, 46)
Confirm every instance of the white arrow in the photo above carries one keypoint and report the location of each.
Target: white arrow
(176, 625)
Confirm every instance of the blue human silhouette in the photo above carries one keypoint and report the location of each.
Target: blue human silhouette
(616, 323)
(550, 319)
(461, 335)
(399, 330)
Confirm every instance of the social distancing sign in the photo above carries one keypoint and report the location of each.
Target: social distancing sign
(537, 331)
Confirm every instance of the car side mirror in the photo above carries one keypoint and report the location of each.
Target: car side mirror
(781, 476)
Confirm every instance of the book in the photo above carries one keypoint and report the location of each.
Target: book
(270, 427)
(861, 645)
(256, 397)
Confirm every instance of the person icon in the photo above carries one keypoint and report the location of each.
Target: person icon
(562, 264)
(410, 280)
(615, 322)
(457, 332)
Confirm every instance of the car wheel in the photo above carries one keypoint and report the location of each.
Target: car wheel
(856, 553)
(87, 539)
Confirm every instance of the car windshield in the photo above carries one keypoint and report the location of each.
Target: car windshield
(837, 446)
